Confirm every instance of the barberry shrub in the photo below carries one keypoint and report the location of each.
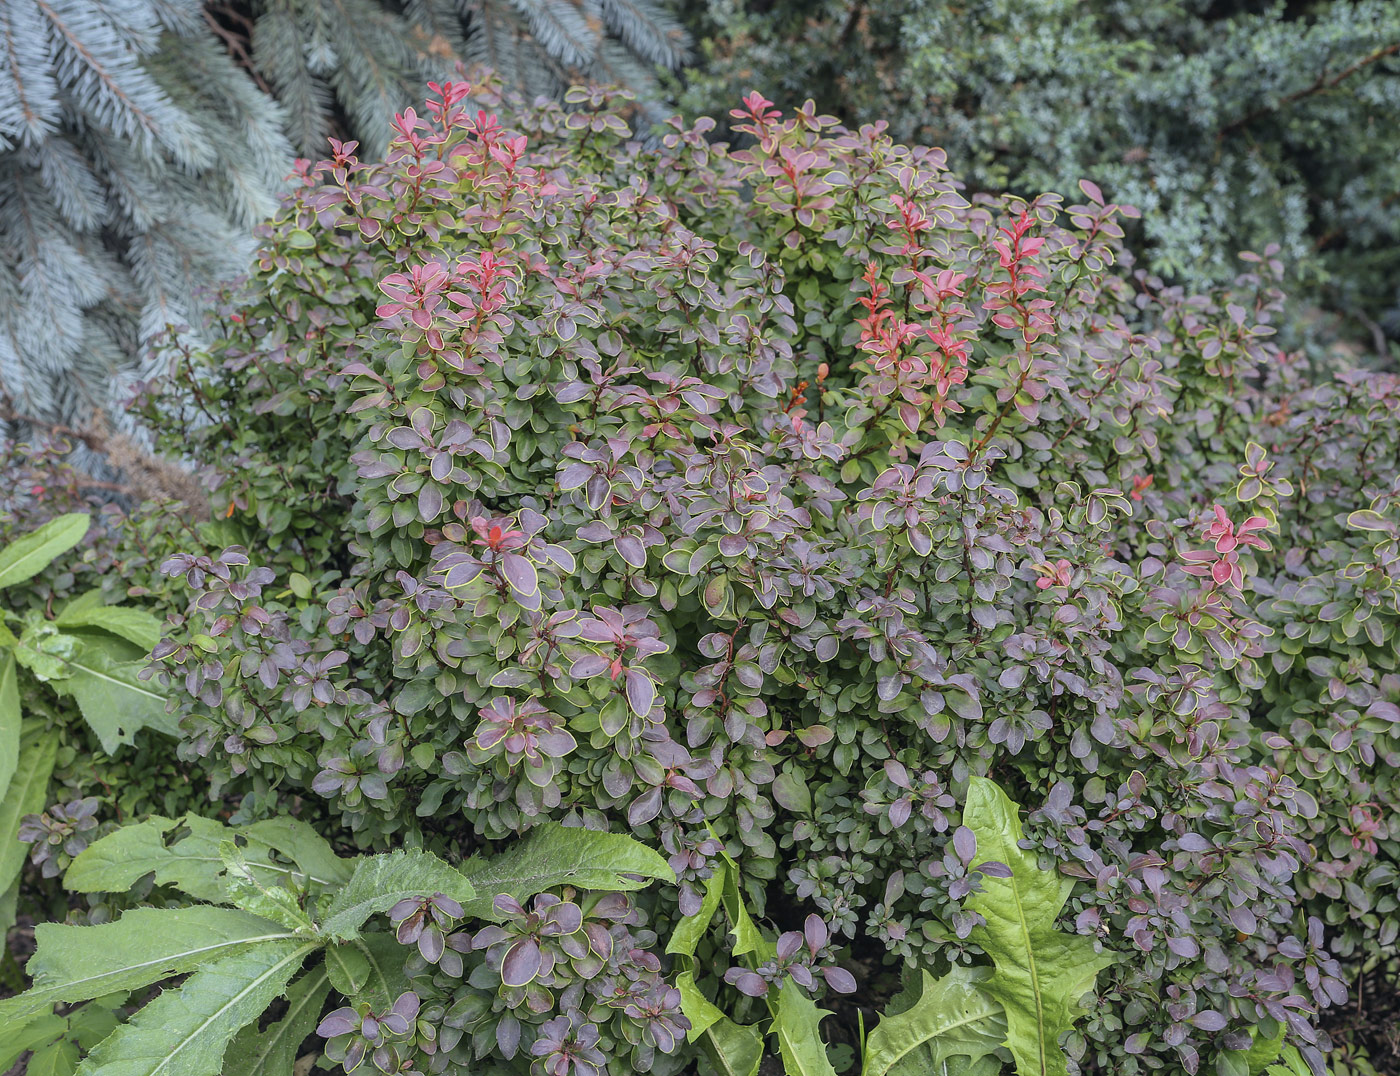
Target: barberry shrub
(754, 503)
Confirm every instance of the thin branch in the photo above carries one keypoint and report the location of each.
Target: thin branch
(1322, 83)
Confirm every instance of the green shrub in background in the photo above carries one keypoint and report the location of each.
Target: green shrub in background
(1230, 125)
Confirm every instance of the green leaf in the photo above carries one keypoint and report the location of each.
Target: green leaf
(303, 846)
(732, 1049)
(16, 1039)
(9, 904)
(9, 721)
(1291, 1063)
(371, 967)
(193, 863)
(276, 902)
(951, 1017)
(28, 794)
(791, 792)
(142, 947)
(380, 882)
(134, 625)
(1263, 1051)
(28, 556)
(688, 932)
(747, 936)
(113, 698)
(273, 1052)
(58, 1058)
(185, 1032)
(554, 855)
(798, 1027)
(1041, 973)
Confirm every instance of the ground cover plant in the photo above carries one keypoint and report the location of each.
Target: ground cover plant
(787, 513)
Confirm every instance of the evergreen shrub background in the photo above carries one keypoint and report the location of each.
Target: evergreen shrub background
(766, 495)
(1231, 125)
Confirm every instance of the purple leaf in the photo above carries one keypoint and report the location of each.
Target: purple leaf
(641, 692)
(340, 1022)
(522, 963)
(520, 574)
(840, 980)
(964, 844)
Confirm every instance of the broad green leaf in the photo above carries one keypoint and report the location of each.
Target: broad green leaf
(273, 1052)
(193, 863)
(1041, 974)
(951, 1017)
(9, 721)
(380, 882)
(553, 855)
(142, 947)
(688, 932)
(798, 1027)
(732, 1049)
(27, 794)
(16, 1039)
(303, 846)
(371, 967)
(113, 698)
(26, 557)
(57, 1058)
(186, 1031)
(134, 625)
(276, 902)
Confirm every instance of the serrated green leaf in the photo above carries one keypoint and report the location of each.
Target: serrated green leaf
(27, 794)
(554, 855)
(1263, 1052)
(26, 557)
(142, 947)
(57, 1058)
(10, 718)
(748, 938)
(380, 882)
(951, 1017)
(185, 1032)
(797, 1023)
(134, 625)
(688, 932)
(275, 902)
(114, 700)
(371, 967)
(16, 1038)
(193, 864)
(1041, 974)
(303, 846)
(273, 1052)
(732, 1049)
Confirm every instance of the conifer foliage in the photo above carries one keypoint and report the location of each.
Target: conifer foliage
(134, 157)
(140, 141)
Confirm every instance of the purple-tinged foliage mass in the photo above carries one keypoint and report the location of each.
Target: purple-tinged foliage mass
(752, 499)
